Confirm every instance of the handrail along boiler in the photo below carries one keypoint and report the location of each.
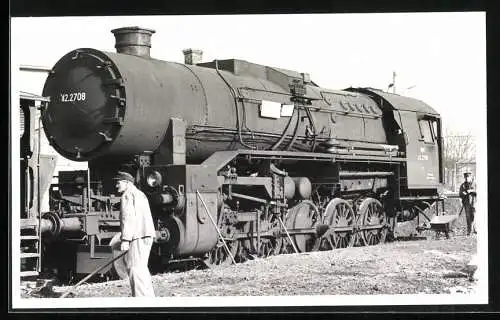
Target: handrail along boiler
(250, 145)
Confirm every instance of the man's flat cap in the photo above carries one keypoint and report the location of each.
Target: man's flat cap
(467, 174)
(124, 176)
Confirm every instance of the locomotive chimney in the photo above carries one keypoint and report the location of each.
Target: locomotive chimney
(192, 56)
(133, 40)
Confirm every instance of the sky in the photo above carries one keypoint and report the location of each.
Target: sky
(439, 58)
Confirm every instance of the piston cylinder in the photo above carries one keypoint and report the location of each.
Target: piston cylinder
(54, 225)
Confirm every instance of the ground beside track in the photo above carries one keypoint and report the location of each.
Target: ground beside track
(406, 267)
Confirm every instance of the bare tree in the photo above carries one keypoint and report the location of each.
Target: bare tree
(458, 147)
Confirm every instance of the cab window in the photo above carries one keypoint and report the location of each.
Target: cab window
(434, 130)
(426, 131)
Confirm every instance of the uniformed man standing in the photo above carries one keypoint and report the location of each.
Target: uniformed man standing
(467, 193)
(137, 234)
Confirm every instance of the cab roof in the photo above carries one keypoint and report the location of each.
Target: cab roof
(396, 101)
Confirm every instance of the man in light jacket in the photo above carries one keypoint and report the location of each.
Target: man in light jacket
(137, 235)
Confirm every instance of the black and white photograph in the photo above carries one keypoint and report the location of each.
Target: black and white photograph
(248, 160)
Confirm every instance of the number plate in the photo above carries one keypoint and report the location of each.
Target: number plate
(73, 96)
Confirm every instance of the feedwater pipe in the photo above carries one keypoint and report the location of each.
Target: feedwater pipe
(233, 92)
(284, 134)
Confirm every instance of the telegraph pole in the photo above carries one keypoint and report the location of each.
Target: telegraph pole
(394, 82)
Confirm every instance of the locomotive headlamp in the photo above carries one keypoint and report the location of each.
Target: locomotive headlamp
(154, 179)
(164, 198)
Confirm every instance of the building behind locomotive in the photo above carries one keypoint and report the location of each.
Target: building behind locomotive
(189, 132)
(36, 171)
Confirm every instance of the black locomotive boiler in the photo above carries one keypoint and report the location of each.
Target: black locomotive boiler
(237, 159)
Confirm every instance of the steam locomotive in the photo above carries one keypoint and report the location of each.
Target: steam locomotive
(237, 159)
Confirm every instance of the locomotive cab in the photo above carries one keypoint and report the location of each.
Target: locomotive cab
(423, 139)
(419, 128)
